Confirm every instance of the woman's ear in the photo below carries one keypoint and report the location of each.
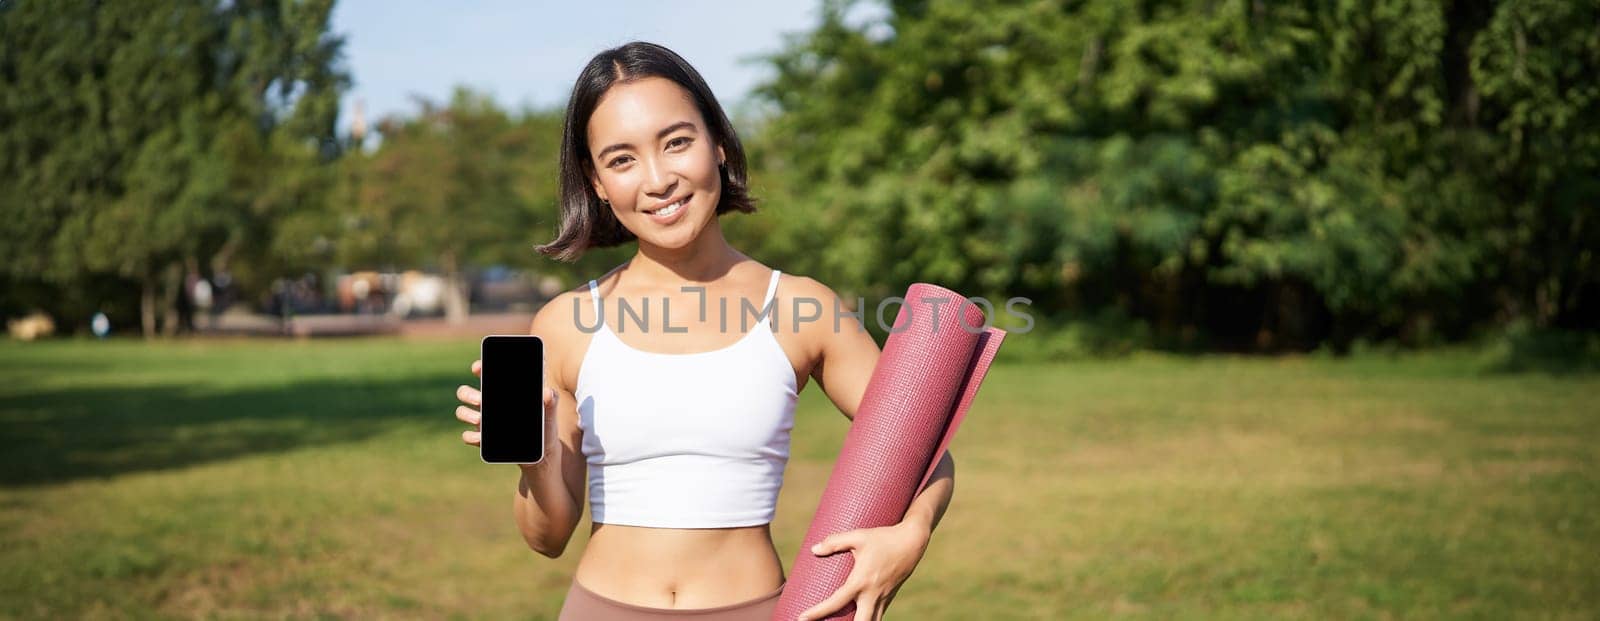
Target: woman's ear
(722, 158)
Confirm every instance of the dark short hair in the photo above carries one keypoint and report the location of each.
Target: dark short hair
(585, 221)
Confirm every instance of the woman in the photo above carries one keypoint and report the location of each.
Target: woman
(681, 417)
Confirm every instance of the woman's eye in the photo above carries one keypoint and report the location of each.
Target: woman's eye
(680, 141)
(618, 161)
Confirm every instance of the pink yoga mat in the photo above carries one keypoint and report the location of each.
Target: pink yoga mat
(926, 378)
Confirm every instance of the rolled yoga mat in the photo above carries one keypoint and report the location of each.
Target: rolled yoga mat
(926, 377)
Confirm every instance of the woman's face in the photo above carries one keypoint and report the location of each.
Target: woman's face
(655, 161)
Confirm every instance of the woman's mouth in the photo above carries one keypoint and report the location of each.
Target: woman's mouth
(670, 213)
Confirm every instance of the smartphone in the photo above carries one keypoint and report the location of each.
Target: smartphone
(512, 406)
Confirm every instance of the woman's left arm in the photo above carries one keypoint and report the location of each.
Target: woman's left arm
(929, 505)
(885, 556)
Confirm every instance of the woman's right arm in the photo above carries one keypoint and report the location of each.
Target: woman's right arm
(549, 499)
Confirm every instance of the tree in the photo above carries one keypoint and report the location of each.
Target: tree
(1237, 173)
(453, 186)
(144, 135)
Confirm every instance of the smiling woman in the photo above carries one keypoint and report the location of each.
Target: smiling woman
(681, 429)
(661, 105)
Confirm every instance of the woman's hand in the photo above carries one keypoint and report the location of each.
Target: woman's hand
(884, 558)
(472, 401)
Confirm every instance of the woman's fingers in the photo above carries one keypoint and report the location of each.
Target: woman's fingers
(469, 395)
(865, 611)
(549, 399)
(838, 600)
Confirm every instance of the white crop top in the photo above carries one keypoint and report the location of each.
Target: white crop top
(697, 440)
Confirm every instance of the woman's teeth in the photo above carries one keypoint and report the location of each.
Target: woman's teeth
(670, 209)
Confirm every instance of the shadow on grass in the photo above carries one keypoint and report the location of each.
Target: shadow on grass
(63, 435)
(1554, 352)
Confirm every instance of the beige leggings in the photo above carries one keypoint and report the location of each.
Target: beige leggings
(585, 605)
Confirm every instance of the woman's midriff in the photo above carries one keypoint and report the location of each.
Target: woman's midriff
(680, 567)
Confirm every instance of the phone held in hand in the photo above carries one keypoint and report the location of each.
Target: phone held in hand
(512, 405)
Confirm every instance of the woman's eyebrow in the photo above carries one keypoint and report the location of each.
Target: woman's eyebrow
(659, 135)
(672, 128)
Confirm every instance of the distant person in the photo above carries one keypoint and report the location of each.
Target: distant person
(222, 281)
(200, 290)
(100, 324)
(683, 434)
(184, 304)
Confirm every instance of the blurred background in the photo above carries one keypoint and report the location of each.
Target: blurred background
(1314, 288)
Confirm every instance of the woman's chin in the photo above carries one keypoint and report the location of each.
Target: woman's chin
(680, 235)
(673, 240)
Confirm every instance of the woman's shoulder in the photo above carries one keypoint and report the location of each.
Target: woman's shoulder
(817, 303)
(561, 323)
(561, 316)
(555, 317)
(824, 323)
(801, 287)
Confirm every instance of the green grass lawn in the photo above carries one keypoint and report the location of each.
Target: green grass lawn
(327, 479)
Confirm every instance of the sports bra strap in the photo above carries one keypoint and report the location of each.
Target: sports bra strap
(772, 287)
(594, 292)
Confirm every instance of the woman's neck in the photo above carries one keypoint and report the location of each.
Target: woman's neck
(705, 259)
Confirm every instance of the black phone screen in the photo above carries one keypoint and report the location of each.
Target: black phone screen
(512, 407)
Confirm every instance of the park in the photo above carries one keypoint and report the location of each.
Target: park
(1311, 324)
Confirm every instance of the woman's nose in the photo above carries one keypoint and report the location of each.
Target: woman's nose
(659, 180)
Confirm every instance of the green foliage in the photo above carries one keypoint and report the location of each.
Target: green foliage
(455, 185)
(1268, 174)
(142, 134)
(1105, 334)
(1521, 348)
(1230, 174)
(440, 188)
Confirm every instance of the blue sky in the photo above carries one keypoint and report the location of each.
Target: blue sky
(529, 53)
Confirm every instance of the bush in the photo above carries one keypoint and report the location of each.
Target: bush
(1522, 347)
(1107, 334)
